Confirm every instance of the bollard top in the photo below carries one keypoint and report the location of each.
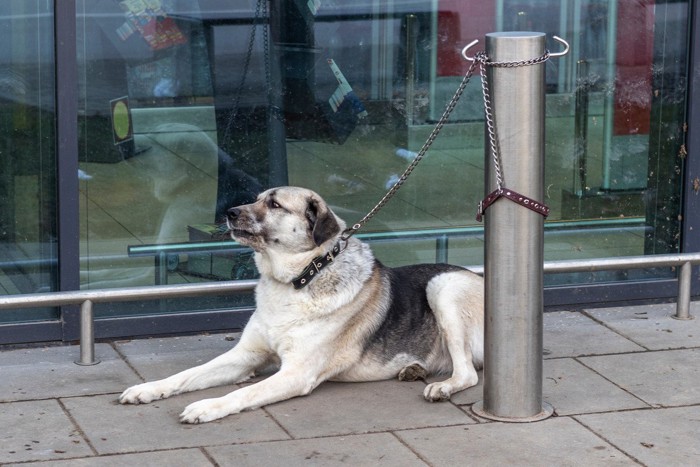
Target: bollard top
(523, 38)
(515, 34)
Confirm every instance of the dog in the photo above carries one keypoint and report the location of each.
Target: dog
(326, 309)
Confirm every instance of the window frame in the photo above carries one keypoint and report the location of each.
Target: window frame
(67, 328)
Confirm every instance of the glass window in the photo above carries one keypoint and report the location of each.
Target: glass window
(189, 107)
(28, 243)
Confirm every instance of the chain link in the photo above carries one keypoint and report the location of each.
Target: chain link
(482, 59)
(533, 61)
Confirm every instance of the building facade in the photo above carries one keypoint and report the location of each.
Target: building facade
(129, 127)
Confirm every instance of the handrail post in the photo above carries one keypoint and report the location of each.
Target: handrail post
(514, 236)
(87, 335)
(683, 300)
(442, 248)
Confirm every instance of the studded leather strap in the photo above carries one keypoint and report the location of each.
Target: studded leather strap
(514, 196)
(316, 266)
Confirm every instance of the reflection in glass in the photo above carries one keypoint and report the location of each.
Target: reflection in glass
(224, 99)
(28, 243)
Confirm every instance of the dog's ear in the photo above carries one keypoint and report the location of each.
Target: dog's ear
(324, 225)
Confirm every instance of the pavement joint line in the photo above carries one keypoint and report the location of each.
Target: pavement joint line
(277, 422)
(604, 324)
(407, 446)
(356, 433)
(208, 456)
(613, 382)
(632, 409)
(466, 408)
(651, 405)
(126, 361)
(76, 426)
(54, 398)
(609, 442)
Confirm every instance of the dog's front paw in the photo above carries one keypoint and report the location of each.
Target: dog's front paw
(144, 393)
(438, 392)
(205, 411)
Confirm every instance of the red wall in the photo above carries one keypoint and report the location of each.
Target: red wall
(635, 45)
(459, 23)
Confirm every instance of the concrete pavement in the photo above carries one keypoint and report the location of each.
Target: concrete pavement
(624, 382)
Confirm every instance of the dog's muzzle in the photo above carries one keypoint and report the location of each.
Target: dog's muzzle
(233, 218)
(233, 213)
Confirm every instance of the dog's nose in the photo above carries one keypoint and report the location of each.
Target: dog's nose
(233, 213)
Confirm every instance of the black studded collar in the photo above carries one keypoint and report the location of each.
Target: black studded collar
(318, 263)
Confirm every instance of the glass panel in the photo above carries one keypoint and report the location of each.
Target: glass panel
(189, 107)
(28, 157)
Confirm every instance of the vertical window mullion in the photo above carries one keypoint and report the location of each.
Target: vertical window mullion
(67, 158)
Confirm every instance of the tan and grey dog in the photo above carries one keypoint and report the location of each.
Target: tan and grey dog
(328, 310)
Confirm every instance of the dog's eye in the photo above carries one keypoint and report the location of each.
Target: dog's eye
(274, 205)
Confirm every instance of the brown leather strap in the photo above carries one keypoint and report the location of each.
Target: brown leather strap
(514, 196)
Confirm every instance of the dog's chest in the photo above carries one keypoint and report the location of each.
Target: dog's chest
(295, 317)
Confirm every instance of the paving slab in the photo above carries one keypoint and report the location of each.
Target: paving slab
(158, 358)
(42, 373)
(558, 441)
(653, 326)
(353, 408)
(572, 334)
(174, 458)
(570, 388)
(663, 378)
(38, 430)
(115, 428)
(371, 449)
(660, 437)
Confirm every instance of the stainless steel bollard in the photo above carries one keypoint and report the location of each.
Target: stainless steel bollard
(514, 235)
(685, 273)
(87, 336)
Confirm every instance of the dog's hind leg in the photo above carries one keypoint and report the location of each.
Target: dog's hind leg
(449, 296)
(413, 372)
(463, 372)
(236, 365)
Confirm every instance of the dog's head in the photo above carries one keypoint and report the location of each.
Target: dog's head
(289, 218)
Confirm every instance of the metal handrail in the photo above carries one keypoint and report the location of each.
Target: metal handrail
(86, 298)
(685, 260)
(442, 236)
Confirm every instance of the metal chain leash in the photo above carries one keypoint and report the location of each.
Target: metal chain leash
(260, 12)
(482, 60)
(431, 137)
(266, 47)
(500, 191)
(533, 61)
